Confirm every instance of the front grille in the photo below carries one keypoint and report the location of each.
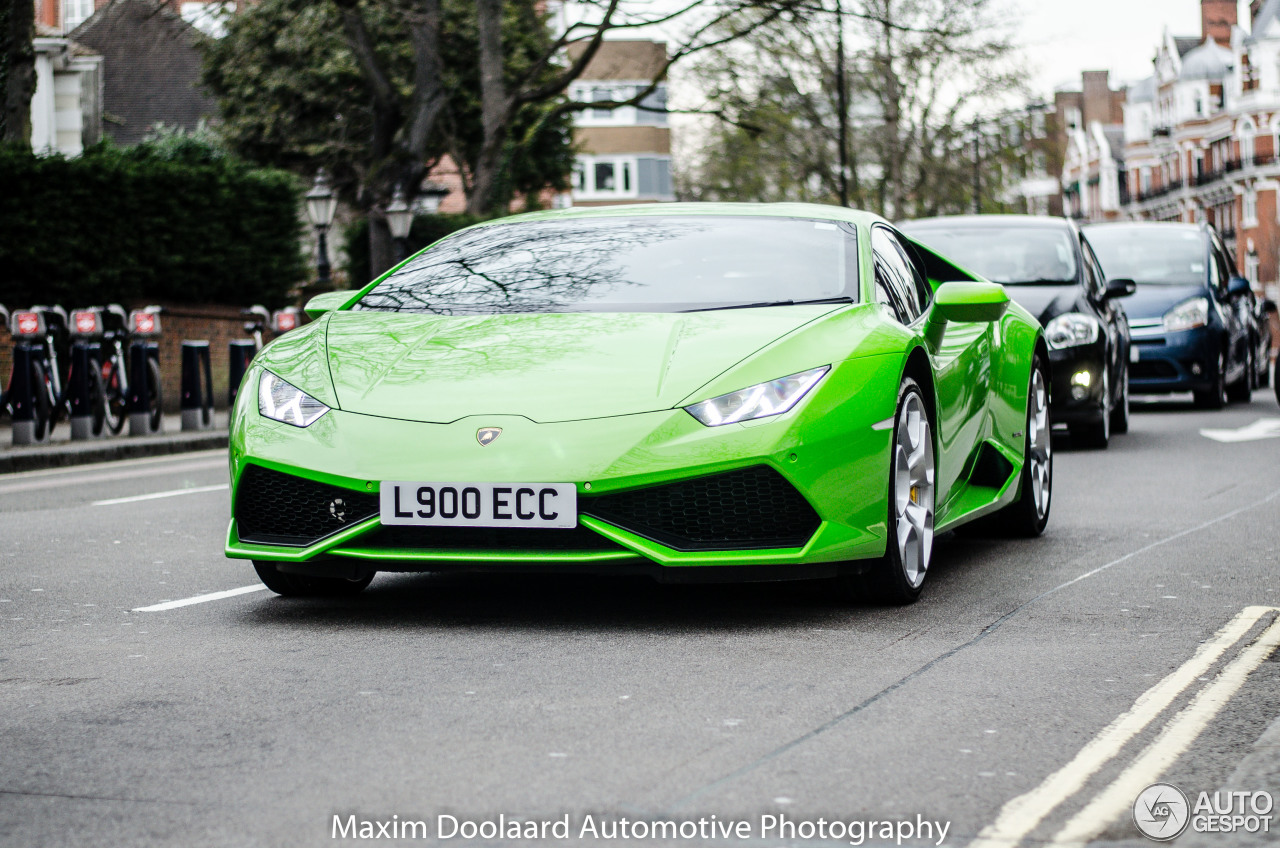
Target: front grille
(280, 509)
(578, 540)
(1152, 369)
(750, 508)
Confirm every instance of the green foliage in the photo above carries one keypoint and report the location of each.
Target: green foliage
(427, 229)
(291, 94)
(171, 221)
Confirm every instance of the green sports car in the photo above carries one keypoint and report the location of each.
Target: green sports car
(691, 391)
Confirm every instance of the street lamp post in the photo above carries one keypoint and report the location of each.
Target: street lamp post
(321, 206)
(399, 221)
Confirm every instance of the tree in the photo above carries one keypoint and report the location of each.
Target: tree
(17, 70)
(377, 92)
(379, 89)
(915, 70)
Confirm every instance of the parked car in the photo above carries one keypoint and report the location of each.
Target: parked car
(1051, 272)
(691, 391)
(1193, 318)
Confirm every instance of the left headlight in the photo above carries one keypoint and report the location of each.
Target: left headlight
(772, 398)
(1071, 329)
(285, 402)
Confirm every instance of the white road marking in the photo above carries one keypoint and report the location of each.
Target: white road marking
(200, 599)
(1175, 739)
(81, 475)
(169, 494)
(1021, 815)
(1263, 428)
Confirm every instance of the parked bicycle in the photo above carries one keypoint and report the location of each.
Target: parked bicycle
(257, 320)
(42, 330)
(4, 389)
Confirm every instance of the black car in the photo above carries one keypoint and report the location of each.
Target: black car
(1193, 318)
(1052, 273)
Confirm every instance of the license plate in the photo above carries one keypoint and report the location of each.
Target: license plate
(545, 505)
(1134, 353)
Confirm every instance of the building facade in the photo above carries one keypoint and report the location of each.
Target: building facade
(1202, 135)
(1090, 134)
(624, 153)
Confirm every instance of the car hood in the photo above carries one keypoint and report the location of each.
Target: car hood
(1153, 301)
(545, 367)
(1046, 302)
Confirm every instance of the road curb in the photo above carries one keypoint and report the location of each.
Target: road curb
(83, 453)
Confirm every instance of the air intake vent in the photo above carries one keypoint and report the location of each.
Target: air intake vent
(280, 509)
(746, 509)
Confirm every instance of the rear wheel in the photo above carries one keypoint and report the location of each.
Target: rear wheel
(156, 409)
(299, 585)
(97, 398)
(1029, 514)
(115, 400)
(42, 406)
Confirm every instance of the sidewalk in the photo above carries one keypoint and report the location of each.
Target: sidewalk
(59, 450)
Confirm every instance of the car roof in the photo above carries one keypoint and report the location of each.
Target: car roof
(1147, 225)
(771, 210)
(987, 221)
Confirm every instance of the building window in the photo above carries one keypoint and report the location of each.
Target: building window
(1250, 214)
(601, 95)
(75, 12)
(1251, 264)
(605, 176)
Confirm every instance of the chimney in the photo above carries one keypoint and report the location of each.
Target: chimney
(1217, 17)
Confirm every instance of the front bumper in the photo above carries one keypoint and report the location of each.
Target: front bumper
(831, 457)
(1184, 361)
(1079, 393)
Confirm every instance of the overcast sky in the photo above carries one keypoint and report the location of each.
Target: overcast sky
(1121, 36)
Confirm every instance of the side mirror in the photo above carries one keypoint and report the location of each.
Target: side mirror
(1119, 288)
(968, 301)
(327, 302)
(1238, 286)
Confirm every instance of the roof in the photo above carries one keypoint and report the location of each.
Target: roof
(1186, 43)
(1144, 91)
(1144, 225)
(776, 210)
(1115, 138)
(1267, 16)
(977, 221)
(623, 60)
(1209, 61)
(151, 68)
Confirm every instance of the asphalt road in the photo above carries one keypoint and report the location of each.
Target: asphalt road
(254, 720)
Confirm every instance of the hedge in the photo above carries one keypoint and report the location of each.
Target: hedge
(126, 225)
(426, 230)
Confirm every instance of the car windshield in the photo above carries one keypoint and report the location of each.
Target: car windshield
(1010, 254)
(1170, 257)
(671, 263)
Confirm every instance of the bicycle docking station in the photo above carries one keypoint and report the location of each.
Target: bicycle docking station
(87, 420)
(197, 386)
(242, 353)
(22, 397)
(145, 416)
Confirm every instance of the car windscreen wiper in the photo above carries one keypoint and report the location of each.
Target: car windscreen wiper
(766, 303)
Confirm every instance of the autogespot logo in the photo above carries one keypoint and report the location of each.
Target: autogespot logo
(1161, 812)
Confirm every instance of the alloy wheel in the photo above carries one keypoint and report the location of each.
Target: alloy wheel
(913, 472)
(1039, 445)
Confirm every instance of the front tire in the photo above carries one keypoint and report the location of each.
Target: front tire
(299, 585)
(1215, 397)
(1029, 514)
(898, 577)
(1120, 413)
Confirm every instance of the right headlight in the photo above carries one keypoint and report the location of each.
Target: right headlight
(762, 401)
(285, 402)
(1187, 315)
(1071, 329)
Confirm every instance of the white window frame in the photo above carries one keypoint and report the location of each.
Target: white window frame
(74, 13)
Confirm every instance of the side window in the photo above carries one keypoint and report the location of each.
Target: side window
(924, 291)
(893, 273)
(1218, 275)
